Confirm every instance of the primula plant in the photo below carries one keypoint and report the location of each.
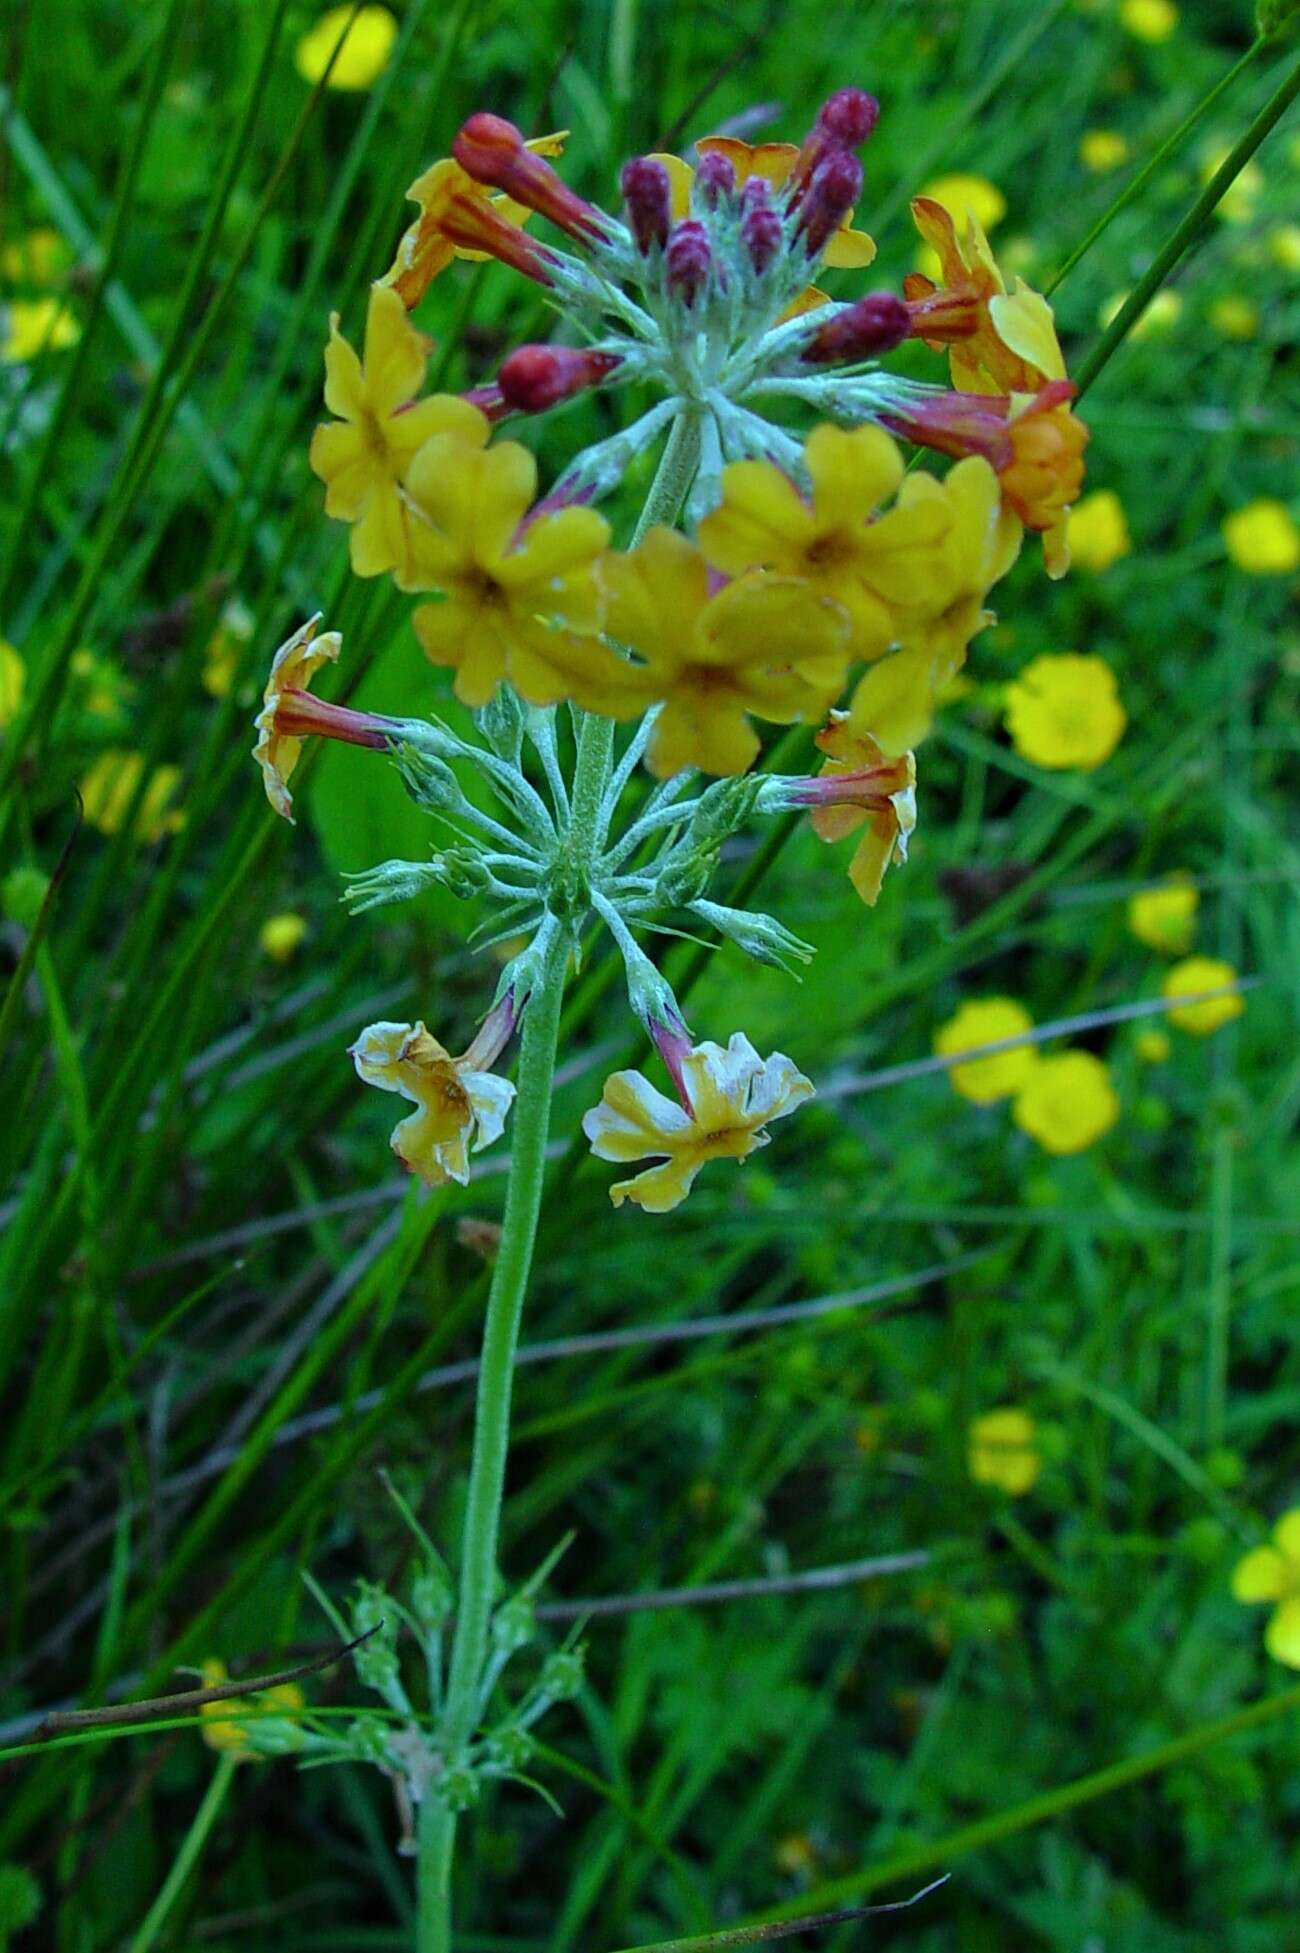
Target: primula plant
(780, 574)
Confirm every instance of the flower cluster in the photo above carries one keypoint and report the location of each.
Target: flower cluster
(1064, 1100)
(817, 580)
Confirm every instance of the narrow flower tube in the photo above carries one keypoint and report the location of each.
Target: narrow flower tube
(536, 377)
(489, 400)
(647, 193)
(470, 223)
(301, 715)
(944, 317)
(875, 325)
(492, 151)
(832, 191)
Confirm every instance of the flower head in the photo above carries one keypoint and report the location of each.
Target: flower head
(1164, 918)
(729, 1096)
(1272, 1574)
(445, 189)
(770, 164)
(1002, 1450)
(1188, 979)
(364, 455)
(232, 1727)
(860, 785)
(363, 56)
(1065, 710)
(1067, 1103)
(459, 1102)
(110, 787)
(1152, 21)
(1097, 531)
(1262, 538)
(763, 646)
(981, 1021)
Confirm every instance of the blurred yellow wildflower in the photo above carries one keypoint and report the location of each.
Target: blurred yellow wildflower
(1188, 979)
(505, 583)
(1234, 317)
(1240, 200)
(364, 455)
(1160, 316)
(732, 1095)
(13, 682)
(225, 648)
(1097, 531)
(110, 786)
(1102, 149)
(1272, 1574)
(32, 326)
(40, 258)
(459, 1102)
(963, 195)
(1165, 918)
(1002, 1450)
(1262, 538)
(1152, 21)
(987, 1020)
(226, 1724)
(1067, 1103)
(1064, 710)
(1153, 1047)
(1284, 246)
(363, 56)
(282, 935)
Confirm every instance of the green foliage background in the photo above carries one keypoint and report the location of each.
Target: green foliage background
(204, 1239)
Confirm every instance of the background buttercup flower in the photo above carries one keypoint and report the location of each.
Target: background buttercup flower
(1234, 316)
(13, 683)
(1262, 538)
(1002, 1450)
(1065, 710)
(1068, 1103)
(110, 786)
(1197, 973)
(1165, 918)
(32, 326)
(987, 1020)
(1102, 149)
(1153, 21)
(364, 54)
(963, 194)
(1097, 531)
(281, 936)
(1270, 1575)
(1161, 315)
(1284, 246)
(1153, 1047)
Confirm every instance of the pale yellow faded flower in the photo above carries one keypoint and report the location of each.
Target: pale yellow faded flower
(293, 667)
(459, 1103)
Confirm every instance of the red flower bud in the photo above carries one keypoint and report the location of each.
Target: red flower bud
(688, 260)
(756, 193)
(843, 122)
(875, 325)
(715, 179)
(648, 195)
(832, 191)
(492, 151)
(761, 235)
(536, 377)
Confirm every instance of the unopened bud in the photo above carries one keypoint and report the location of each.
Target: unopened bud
(688, 260)
(493, 151)
(514, 1624)
(390, 881)
(429, 781)
(714, 179)
(756, 193)
(832, 191)
(684, 879)
(536, 377)
(432, 1598)
(509, 1749)
(562, 1676)
(648, 195)
(724, 807)
(501, 722)
(844, 121)
(457, 1787)
(762, 236)
(760, 936)
(376, 1659)
(875, 325)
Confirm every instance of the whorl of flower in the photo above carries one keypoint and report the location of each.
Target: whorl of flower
(461, 1104)
(533, 378)
(860, 784)
(363, 455)
(289, 713)
(729, 1096)
(426, 249)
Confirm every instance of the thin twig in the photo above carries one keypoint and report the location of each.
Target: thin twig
(818, 1579)
(758, 1935)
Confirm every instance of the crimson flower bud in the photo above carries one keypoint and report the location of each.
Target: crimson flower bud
(761, 235)
(715, 178)
(756, 193)
(832, 191)
(492, 151)
(843, 122)
(875, 325)
(688, 260)
(648, 195)
(536, 377)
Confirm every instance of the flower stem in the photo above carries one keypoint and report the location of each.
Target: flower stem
(437, 1829)
(187, 1857)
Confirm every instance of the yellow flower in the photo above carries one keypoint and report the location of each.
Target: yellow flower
(38, 259)
(729, 1096)
(866, 562)
(226, 1725)
(766, 646)
(1284, 246)
(1262, 538)
(365, 454)
(363, 56)
(13, 682)
(987, 1020)
(1153, 1047)
(514, 594)
(1272, 1573)
(110, 786)
(32, 326)
(1240, 200)
(1097, 531)
(281, 935)
(964, 196)
(1102, 149)
(1149, 20)
(1067, 1103)
(459, 1102)
(1234, 317)
(293, 667)
(848, 250)
(1188, 979)
(1165, 918)
(1014, 348)
(885, 791)
(1003, 1451)
(424, 251)
(1161, 315)
(1064, 710)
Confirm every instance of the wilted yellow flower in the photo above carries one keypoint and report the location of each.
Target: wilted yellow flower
(1234, 317)
(1003, 1451)
(1165, 918)
(729, 1097)
(226, 1724)
(293, 667)
(110, 786)
(1161, 315)
(1240, 200)
(363, 56)
(1262, 538)
(1067, 1103)
(1153, 1047)
(1064, 710)
(987, 1020)
(364, 456)
(460, 1102)
(13, 682)
(39, 258)
(1097, 531)
(1284, 246)
(32, 326)
(1014, 347)
(877, 791)
(963, 195)
(1149, 20)
(281, 935)
(1272, 1574)
(1102, 149)
(1188, 979)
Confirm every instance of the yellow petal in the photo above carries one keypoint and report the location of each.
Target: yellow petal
(853, 471)
(344, 387)
(1282, 1635)
(1261, 1575)
(395, 356)
(680, 179)
(1286, 1533)
(850, 250)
